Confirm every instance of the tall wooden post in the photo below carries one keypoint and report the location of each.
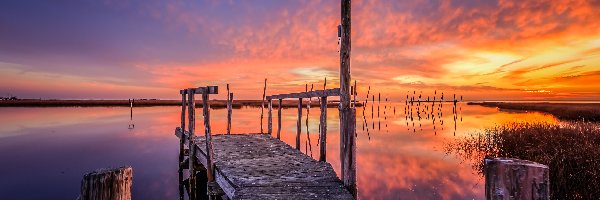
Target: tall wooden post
(229, 110)
(263, 106)
(347, 114)
(181, 144)
(192, 156)
(323, 130)
(279, 119)
(299, 124)
(507, 178)
(270, 117)
(207, 133)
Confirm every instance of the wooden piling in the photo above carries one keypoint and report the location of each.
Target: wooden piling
(181, 145)
(263, 106)
(270, 117)
(279, 119)
(323, 130)
(347, 114)
(299, 124)
(192, 157)
(507, 178)
(229, 107)
(208, 136)
(113, 184)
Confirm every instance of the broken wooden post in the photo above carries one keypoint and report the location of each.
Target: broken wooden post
(181, 144)
(270, 117)
(507, 178)
(347, 114)
(192, 155)
(113, 184)
(299, 124)
(263, 106)
(279, 119)
(323, 130)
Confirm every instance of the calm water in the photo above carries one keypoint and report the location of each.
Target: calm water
(46, 151)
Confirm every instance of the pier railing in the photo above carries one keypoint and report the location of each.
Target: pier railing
(322, 95)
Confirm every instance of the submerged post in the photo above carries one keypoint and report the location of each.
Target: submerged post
(507, 178)
(107, 184)
(270, 117)
(347, 114)
(192, 157)
(181, 144)
(299, 124)
(279, 120)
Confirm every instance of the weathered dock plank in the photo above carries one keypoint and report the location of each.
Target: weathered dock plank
(258, 166)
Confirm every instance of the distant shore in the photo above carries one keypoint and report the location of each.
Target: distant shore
(151, 102)
(563, 111)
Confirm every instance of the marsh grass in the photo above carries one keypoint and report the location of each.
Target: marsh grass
(563, 111)
(571, 150)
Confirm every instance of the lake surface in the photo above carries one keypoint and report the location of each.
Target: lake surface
(46, 151)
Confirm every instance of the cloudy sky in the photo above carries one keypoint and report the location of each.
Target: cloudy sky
(482, 49)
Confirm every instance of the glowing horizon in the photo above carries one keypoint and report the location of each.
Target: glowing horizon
(483, 50)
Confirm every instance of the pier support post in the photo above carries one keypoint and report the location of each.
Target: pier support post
(181, 145)
(347, 114)
(209, 146)
(192, 155)
(107, 184)
(323, 130)
(229, 107)
(262, 103)
(279, 120)
(270, 117)
(507, 178)
(299, 124)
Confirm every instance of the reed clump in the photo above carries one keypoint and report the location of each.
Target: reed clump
(571, 150)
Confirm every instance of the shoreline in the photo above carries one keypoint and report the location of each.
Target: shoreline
(562, 111)
(150, 103)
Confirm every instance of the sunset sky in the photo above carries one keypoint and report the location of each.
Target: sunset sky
(120, 49)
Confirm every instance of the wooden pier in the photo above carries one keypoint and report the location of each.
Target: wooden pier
(260, 166)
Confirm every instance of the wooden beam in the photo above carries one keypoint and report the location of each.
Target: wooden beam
(299, 124)
(201, 90)
(191, 127)
(316, 93)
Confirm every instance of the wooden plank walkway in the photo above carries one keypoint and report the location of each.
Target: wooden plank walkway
(258, 166)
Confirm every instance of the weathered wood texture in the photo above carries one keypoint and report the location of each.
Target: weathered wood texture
(262, 103)
(107, 184)
(311, 94)
(323, 130)
(279, 120)
(299, 124)
(507, 178)
(229, 109)
(181, 148)
(201, 90)
(258, 166)
(270, 117)
(191, 127)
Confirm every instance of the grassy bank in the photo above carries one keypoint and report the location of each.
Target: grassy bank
(146, 103)
(563, 111)
(571, 150)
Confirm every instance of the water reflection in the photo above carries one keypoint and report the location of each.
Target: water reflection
(393, 162)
